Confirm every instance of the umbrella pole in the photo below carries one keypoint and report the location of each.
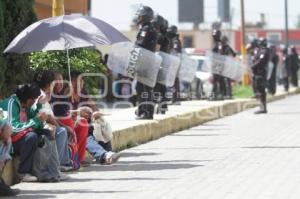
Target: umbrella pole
(69, 67)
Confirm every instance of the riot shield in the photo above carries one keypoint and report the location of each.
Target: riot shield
(132, 61)
(168, 70)
(187, 69)
(270, 70)
(223, 65)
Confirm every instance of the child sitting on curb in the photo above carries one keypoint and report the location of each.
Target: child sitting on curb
(100, 136)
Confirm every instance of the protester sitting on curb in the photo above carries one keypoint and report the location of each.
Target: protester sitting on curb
(44, 80)
(80, 97)
(24, 122)
(5, 149)
(101, 149)
(62, 106)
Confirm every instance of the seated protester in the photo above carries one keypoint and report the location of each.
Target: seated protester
(62, 106)
(44, 80)
(5, 149)
(102, 151)
(24, 124)
(80, 98)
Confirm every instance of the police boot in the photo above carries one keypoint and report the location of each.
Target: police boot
(212, 97)
(144, 116)
(263, 109)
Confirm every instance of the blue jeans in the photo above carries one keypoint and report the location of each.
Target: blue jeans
(5, 151)
(26, 147)
(62, 146)
(94, 148)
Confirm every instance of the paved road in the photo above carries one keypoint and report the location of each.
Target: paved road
(238, 157)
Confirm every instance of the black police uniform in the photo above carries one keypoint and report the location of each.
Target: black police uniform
(147, 39)
(286, 65)
(272, 80)
(219, 86)
(259, 68)
(294, 67)
(160, 90)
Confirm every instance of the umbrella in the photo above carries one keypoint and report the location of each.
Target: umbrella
(63, 33)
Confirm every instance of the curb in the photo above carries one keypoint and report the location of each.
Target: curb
(152, 130)
(143, 133)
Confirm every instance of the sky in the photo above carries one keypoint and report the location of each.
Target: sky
(119, 13)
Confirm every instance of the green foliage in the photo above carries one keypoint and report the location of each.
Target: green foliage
(240, 91)
(85, 60)
(14, 17)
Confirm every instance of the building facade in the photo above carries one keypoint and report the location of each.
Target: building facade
(43, 8)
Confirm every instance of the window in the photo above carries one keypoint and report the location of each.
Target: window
(274, 36)
(188, 42)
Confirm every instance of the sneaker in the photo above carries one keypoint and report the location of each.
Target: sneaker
(260, 112)
(111, 158)
(63, 177)
(5, 190)
(26, 177)
(51, 180)
(144, 116)
(66, 168)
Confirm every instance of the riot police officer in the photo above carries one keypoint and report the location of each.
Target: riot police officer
(219, 87)
(227, 51)
(160, 90)
(252, 49)
(274, 58)
(259, 68)
(285, 73)
(294, 65)
(175, 48)
(147, 39)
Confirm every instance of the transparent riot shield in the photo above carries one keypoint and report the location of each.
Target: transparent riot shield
(223, 65)
(132, 61)
(270, 70)
(187, 69)
(168, 70)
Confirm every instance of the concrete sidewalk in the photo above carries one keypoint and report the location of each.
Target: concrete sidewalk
(129, 132)
(244, 156)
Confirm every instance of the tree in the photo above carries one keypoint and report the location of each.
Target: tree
(14, 17)
(85, 60)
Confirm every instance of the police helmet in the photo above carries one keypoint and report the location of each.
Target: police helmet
(254, 43)
(145, 13)
(217, 35)
(173, 29)
(158, 22)
(165, 25)
(224, 39)
(262, 42)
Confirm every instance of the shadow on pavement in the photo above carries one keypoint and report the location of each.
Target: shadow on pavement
(31, 196)
(132, 154)
(147, 166)
(114, 179)
(206, 129)
(41, 194)
(197, 135)
(210, 124)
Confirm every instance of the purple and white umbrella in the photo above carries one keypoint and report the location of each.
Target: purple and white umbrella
(63, 33)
